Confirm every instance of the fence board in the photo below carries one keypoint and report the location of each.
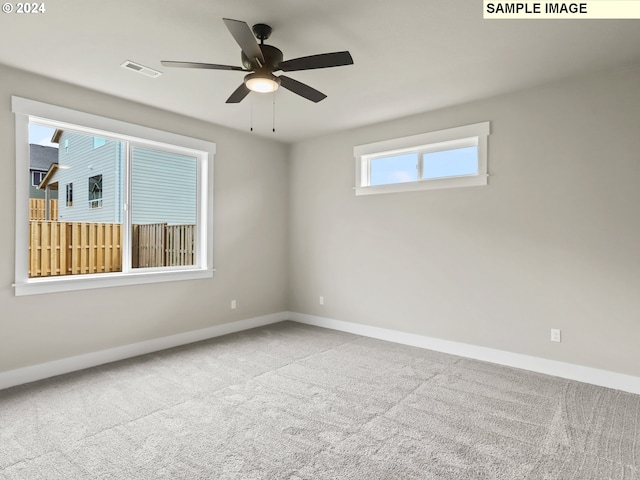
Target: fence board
(45, 249)
(180, 245)
(34, 249)
(159, 245)
(149, 245)
(72, 248)
(37, 209)
(75, 248)
(64, 252)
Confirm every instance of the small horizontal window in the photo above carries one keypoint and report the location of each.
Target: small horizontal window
(455, 157)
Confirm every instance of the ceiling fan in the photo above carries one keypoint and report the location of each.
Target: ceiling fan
(262, 60)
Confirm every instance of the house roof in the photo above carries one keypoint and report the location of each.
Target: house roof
(41, 157)
(47, 180)
(56, 136)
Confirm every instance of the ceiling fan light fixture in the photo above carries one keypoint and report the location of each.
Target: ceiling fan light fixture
(262, 83)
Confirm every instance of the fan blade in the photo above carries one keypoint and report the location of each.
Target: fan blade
(323, 60)
(238, 95)
(301, 89)
(210, 66)
(244, 37)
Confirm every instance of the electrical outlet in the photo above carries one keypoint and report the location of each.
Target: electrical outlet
(555, 335)
(233, 304)
(321, 300)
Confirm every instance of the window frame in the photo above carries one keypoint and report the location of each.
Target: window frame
(41, 174)
(26, 111)
(95, 202)
(424, 143)
(69, 194)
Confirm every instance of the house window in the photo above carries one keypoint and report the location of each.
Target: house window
(69, 195)
(456, 157)
(99, 142)
(95, 191)
(148, 212)
(37, 177)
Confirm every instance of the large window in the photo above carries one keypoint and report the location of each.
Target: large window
(143, 211)
(455, 157)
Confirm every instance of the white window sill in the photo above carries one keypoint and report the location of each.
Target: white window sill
(68, 283)
(431, 184)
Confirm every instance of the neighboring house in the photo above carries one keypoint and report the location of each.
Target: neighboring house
(90, 179)
(41, 159)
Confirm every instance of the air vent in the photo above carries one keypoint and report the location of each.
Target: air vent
(136, 67)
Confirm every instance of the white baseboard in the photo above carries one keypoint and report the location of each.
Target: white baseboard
(570, 371)
(71, 364)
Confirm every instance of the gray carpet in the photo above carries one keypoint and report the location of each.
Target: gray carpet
(289, 401)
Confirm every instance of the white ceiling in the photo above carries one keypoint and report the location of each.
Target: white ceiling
(410, 56)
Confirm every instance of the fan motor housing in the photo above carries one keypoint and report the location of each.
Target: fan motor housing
(272, 58)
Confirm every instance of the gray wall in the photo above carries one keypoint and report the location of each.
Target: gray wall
(35, 192)
(552, 242)
(250, 243)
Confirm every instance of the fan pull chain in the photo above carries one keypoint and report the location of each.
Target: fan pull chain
(252, 113)
(274, 113)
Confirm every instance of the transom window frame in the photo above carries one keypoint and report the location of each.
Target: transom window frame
(448, 139)
(26, 111)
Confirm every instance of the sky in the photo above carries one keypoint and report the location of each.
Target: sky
(440, 164)
(40, 135)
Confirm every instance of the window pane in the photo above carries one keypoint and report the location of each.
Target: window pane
(394, 169)
(69, 194)
(163, 208)
(95, 191)
(450, 163)
(82, 237)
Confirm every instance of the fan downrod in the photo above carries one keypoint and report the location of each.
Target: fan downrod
(262, 31)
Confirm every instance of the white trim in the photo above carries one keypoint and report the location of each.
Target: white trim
(71, 364)
(603, 378)
(580, 373)
(427, 184)
(394, 144)
(69, 283)
(26, 110)
(98, 125)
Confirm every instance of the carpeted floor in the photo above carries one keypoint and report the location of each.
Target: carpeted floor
(289, 401)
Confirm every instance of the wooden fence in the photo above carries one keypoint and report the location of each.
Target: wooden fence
(37, 210)
(74, 248)
(162, 245)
